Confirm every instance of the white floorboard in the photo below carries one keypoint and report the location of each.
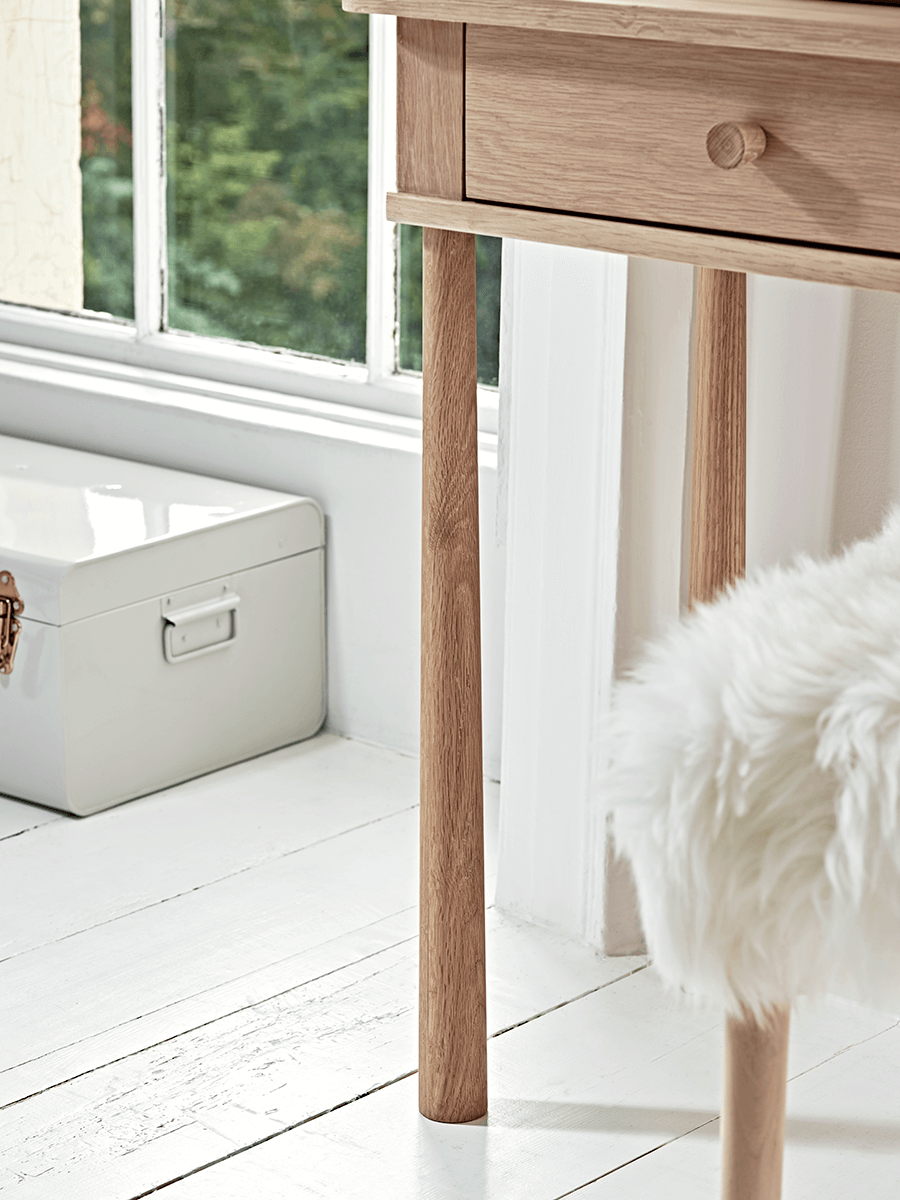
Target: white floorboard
(210, 995)
(257, 1071)
(16, 817)
(842, 1135)
(149, 960)
(574, 1096)
(74, 874)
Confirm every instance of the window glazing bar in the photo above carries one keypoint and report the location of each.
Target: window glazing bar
(149, 151)
(381, 288)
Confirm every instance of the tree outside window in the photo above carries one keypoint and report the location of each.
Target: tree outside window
(266, 144)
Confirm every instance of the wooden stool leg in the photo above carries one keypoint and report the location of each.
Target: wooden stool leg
(719, 468)
(753, 1107)
(452, 1025)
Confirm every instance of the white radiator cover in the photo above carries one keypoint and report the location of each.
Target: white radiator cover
(173, 624)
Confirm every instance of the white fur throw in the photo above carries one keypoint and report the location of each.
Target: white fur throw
(754, 764)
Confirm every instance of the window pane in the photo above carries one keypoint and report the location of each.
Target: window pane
(65, 155)
(409, 303)
(267, 142)
(106, 178)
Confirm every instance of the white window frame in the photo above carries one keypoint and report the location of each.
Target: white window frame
(144, 349)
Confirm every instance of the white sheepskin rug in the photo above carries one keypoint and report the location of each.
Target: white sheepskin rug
(753, 766)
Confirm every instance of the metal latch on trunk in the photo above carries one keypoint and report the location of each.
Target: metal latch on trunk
(11, 606)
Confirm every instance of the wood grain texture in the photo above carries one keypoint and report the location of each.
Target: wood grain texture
(452, 1045)
(735, 143)
(821, 27)
(756, 1059)
(818, 264)
(719, 454)
(634, 119)
(430, 61)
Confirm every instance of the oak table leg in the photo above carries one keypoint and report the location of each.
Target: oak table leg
(452, 1024)
(755, 1055)
(719, 468)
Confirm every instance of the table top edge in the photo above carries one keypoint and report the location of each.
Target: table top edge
(833, 28)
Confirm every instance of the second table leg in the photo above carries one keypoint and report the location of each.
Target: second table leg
(452, 1024)
(755, 1055)
(719, 458)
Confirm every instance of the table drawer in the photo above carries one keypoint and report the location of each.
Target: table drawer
(617, 128)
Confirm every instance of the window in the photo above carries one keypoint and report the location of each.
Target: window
(409, 303)
(107, 185)
(229, 200)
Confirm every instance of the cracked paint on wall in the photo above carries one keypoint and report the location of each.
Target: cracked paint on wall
(40, 144)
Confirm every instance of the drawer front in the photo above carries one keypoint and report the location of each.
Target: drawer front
(617, 128)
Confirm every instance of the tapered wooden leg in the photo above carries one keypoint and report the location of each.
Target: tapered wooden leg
(719, 460)
(452, 1026)
(753, 1107)
(755, 1056)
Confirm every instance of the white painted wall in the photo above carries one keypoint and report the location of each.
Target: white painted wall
(798, 342)
(798, 392)
(40, 145)
(654, 451)
(867, 470)
(823, 464)
(368, 483)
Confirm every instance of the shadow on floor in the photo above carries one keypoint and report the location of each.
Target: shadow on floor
(675, 1122)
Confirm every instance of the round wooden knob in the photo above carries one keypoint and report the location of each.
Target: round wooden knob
(735, 142)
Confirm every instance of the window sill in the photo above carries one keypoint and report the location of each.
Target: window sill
(199, 368)
(72, 377)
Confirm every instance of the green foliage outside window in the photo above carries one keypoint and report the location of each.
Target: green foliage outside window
(409, 303)
(268, 130)
(106, 181)
(267, 107)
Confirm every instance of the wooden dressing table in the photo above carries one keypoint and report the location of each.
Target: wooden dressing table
(735, 135)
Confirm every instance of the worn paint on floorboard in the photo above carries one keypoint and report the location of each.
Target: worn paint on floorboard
(574, 1095)
(210, 995)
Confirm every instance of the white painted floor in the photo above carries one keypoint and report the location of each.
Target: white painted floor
(209, 994)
